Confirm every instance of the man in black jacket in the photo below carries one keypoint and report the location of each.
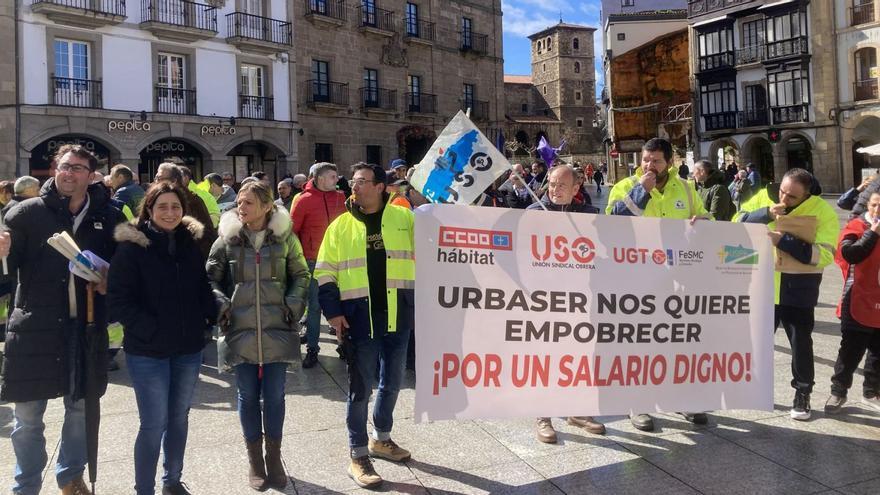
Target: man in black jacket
(45, 356)
(515, 190)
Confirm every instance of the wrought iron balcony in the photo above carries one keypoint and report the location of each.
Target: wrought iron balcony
(749, 54)
(479, 109)
(326, 93)
(83, 13)
(793, 47)
(418, 30)
(716, 61)
(376, 19)
(420, 102)
(70, 92)
(179, 20)
(256, 33)
(256, 107)
(865, 90)
(378, 99)
(791, 114)
(861, 14)
(331, 11)
(175, 100)
(474, 42)
(753, 118)
(720, 121)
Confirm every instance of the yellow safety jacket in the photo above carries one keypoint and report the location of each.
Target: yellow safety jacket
(341, 271)
(679, 199)
(210, 202)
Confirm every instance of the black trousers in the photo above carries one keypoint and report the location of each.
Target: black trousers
(871, 385)
(852, 348)
(798, 324)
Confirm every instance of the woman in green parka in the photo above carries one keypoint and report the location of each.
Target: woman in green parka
(260, 277)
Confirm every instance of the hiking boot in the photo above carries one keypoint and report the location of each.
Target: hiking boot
(642, 422)
(178, 488)
(257, 468)
(76, 487)
(276, 477)
(587, 423)
(388, 450)
(361, 471)
(695, 418)
(834, 404)
(546, 433)
(311, 359)
(800, 409)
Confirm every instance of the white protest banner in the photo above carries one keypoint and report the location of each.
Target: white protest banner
(533, 313)
(460, 165)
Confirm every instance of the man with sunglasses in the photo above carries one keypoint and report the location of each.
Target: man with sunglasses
(366, 278)
(45, 358)
(797, 288)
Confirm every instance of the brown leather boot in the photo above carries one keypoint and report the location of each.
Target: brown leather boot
(257, 468)
(545, 431)
(76, 487)
(276, 477)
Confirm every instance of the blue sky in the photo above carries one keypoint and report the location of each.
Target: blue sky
(524, 17)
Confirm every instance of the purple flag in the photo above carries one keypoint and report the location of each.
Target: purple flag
(548, 153)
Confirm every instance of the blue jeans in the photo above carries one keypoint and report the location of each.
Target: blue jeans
(164, 390)
(387, 354)
(313, 316)
(250, 389)
(29, 445)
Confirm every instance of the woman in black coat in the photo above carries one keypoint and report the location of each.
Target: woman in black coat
(159, 291)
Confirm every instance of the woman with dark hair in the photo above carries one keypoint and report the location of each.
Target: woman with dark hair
(158, 290)
(261, 279)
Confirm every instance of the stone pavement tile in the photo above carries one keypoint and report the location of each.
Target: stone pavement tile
(450, 445)
(712, 464)
(734, 416)
(604, 471)
(503, 479)
(519, 435)
(814, 449)
(318, 410)
(870, 487)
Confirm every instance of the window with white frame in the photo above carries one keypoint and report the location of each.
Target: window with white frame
(72, 59)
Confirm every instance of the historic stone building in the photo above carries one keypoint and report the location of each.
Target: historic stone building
(765, 85)
(380, 80)
(8, 87)
(208, 85)
(558, 100)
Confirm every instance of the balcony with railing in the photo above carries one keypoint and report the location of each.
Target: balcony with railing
(719, 121)
(375, 99)
(256, 107)
(474, 42)
(861, 14)
(420, 102)
(865, 90)
(418, 30)
(790, 114)
(326, 11)
(716, 61)
(175, 100)
(179, 20)
(479, 109)
(81, 13)
(755, 117)
(375, 20)
(257, 34)
(793, 47)
(71, 92)
(326, 94)
(749, 54)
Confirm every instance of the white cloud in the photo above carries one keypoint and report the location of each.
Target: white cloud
(591, 8)
(550, 5)
(522, 21)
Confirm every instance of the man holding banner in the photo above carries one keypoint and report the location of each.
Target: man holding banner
(657, 191)
(366, 278)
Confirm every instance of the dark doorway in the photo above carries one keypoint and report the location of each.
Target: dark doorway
(799, 153)
(416, 149)
(169, 150)
(761, 154)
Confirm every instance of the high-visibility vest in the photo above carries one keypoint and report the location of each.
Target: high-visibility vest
(679, 198)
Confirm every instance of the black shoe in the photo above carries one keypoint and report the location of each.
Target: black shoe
(178, 488)
(800, 409)
(695, 418)
(311, 359)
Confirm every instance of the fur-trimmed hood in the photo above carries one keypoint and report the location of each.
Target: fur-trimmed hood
(129, 231)
(230, 226)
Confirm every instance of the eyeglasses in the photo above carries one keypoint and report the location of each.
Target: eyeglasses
(361, 182)
(77, 169)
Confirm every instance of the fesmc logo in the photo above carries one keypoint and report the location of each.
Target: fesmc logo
(577, 253)
(464, 245)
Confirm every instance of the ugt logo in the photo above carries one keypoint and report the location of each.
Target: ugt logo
(581, 249)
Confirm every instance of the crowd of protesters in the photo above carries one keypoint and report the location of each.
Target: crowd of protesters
(261, 262)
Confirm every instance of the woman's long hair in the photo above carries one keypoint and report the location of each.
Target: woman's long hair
(157, 189)
(264, 196)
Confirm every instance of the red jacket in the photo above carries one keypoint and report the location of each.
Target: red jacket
(311, 215)
(864, 302)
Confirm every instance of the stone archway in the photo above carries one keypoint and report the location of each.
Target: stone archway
(726, 144)
(758, 151)
(799, 152)
(413, 142)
